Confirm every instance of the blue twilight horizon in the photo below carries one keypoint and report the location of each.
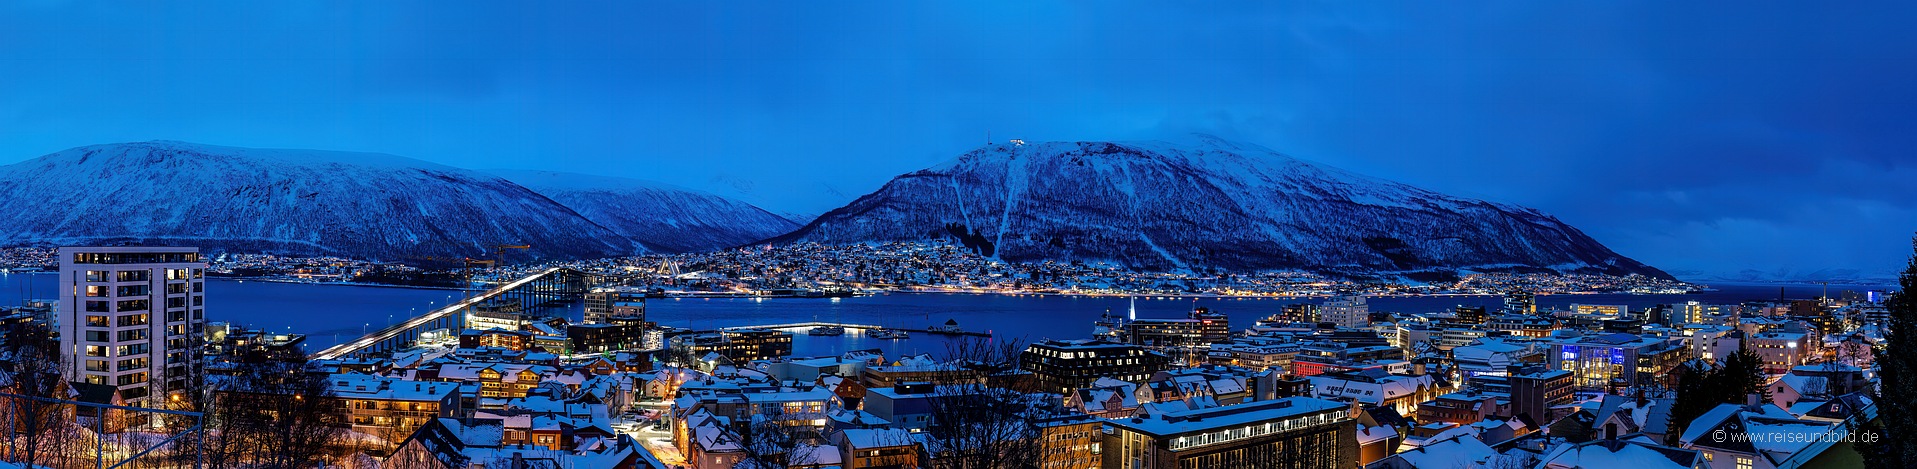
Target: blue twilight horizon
(1693, 137)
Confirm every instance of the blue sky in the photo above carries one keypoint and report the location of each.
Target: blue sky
(1690, 136)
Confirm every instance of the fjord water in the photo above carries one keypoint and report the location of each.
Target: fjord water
(331, 313)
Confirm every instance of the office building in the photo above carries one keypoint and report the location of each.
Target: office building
(1301, 312)
(1520, 302)
(736, 346)
(1060, 366)
(1618, 360)
(1287, 433)
(603, 303)
(1200, 328)
(1346, 311)
(134, 318)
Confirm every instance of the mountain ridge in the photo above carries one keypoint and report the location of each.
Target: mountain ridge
(302, 202)
(1156, 205)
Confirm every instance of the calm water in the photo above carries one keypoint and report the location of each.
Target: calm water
(330, 313)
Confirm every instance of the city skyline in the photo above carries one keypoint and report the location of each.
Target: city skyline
(1670, 142)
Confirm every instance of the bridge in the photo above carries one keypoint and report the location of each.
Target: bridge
(541, 290)
(847, 325)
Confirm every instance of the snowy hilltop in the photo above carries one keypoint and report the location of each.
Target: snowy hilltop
(662, 217)
(304, 202)
(1214, 204)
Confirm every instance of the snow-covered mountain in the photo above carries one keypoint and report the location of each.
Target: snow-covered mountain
(285, 201)
(662, 217)
(1792, 276)
(1214, 204)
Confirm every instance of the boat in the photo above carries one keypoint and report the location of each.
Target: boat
(881, 333)
(826, 330)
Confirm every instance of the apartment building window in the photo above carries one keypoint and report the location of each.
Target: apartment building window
(134, 276)
(96, 351)
(176, 329)
(132, 335)
(1743, 463)
(98, 336)
(96, 321)
(97, 379)
(175, 316)
(135, 349)
(197, 273)
(197, 287)
(196, 314)
(176, 274)
(175, 288)
(98, 291)
(134, 364)
(176, 302)
(133, 320)
(132, 290)
(199, 300)
(97, 276)
(98, 307)
(96, 365)
(132, 378)
(132, 305)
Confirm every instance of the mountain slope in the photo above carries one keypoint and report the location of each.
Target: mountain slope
(663, 218)
(286, 201)
(1217, 204)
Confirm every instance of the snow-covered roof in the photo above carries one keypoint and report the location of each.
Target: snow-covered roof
(1633, 454)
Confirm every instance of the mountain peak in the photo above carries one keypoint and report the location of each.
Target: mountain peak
(1211, 203)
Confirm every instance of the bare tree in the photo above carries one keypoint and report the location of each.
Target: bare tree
(770, 442)
(980, 416)
(32, 366)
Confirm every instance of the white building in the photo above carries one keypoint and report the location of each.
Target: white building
(1346, 311)
(133, 318)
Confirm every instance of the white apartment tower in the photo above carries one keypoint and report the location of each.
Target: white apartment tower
(1346, 311)
(133, 318)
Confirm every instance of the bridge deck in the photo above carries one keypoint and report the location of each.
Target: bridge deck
(812, 324)
(348, 348)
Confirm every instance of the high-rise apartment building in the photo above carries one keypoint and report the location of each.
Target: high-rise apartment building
(133, 318)
(1346, 311)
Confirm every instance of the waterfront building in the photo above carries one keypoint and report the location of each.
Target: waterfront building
(1201, 327)
(1600, 310)
(604, 303)
(1288, 433)
(736, 346)
(1301, 312)
(606, 336)
(134, 318)
(509, 339)
(1346, 311)
(1520, 302)
(1470, 315)
(1059, 366)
